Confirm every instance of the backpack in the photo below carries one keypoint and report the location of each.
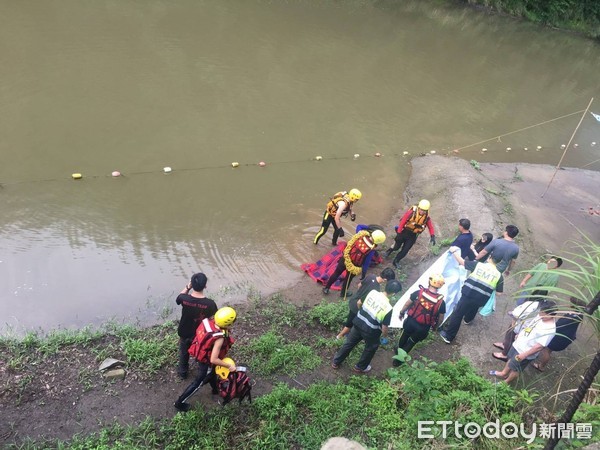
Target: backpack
(236, 385)
(425, 309)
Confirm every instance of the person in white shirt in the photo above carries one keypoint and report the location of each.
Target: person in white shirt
(533, 337)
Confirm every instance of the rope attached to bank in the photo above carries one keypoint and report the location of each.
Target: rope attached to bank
(568, 144)
(518, 131)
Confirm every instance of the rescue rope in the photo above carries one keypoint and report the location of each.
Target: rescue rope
(567, 147)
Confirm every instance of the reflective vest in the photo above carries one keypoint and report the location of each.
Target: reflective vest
(207, 334)
(425, 309)
(374, 309)
(332, 206)
(417, 221)
(483, 280)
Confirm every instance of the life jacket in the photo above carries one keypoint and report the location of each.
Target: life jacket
(207, 334)
(425, 309)
(332, 206)
(236, 385)
(417, 221)
(357, 250)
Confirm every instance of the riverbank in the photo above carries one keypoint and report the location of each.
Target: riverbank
(52, 389)
(580, 17)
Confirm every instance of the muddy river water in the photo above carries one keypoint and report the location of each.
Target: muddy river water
(136, 86)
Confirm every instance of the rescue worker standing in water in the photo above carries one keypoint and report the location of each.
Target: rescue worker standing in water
(339, 206)
(411, 225)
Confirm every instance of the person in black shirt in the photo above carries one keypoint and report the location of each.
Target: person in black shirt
(195, 307)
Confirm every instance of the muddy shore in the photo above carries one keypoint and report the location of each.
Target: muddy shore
(57, 407)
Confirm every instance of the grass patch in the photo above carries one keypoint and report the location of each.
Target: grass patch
(270, 354)
(276, 310)
(377, 413)
(330, 314)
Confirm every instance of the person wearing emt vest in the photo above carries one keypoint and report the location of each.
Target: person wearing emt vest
(339, 206)
(371, 325)
(411, 225)
(424, 310)
(484, 279)
(210, 347)
(353, 258)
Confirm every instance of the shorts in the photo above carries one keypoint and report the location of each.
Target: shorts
(513, 364)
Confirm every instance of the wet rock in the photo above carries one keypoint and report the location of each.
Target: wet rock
(110, 363)
(114, 374)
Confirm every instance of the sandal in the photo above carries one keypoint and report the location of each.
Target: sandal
(500, 356)
(536, 366)
(498, 345)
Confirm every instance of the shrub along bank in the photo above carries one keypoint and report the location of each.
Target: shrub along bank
(582, 16)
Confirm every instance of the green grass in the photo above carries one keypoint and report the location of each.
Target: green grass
(377, 413)
(271, 354)
(330, 314)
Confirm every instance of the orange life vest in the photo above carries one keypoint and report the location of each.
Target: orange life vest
(207, 334)
(425, 309)
(332, 206)
(417, 221)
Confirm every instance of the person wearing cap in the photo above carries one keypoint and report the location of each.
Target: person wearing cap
(195, 307)
(340, 205)
(504, 250)
(352, 260)
(475, 293)
(411, 225)
(370, 325)
(424, 310)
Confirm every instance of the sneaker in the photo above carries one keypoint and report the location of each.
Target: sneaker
(445, 338)
(333, 244)
(182, 406)
(334, 365)
(325, 290)
(467, 323)
(396, 264)
(359, 370)
(182, 375)
(348, 294)
(388, 253)
(396, 363)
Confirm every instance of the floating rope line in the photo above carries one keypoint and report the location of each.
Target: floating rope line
(519, 130)
(262, 164)
(567, 147)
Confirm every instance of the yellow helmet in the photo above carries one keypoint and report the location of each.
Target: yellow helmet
(424, 205)
(378, 237)
(436, 280)
(225, 317)
(223, 371)
(355, 195)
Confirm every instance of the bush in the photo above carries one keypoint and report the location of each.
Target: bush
(330, 315)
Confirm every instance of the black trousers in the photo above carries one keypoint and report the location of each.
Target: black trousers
(328, 219)
(466, 308)
(356, 335)
(403, 242)
(203, 377)
(412, 332)
(184, 356)
(341, 266)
